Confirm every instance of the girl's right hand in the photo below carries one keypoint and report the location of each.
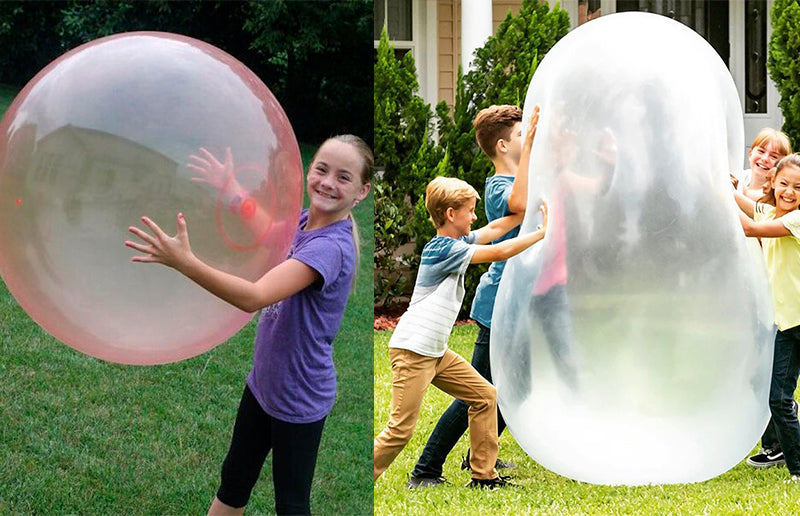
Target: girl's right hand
(210, 171)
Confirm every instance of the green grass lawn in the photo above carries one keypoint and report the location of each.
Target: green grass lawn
(740, 491)
(83, 436)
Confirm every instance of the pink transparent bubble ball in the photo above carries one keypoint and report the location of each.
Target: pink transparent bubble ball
(102, 136)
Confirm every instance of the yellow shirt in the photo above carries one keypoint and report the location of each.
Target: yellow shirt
(782, 257)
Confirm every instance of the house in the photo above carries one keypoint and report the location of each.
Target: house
(431, 30)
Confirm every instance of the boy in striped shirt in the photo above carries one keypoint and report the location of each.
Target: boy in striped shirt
(418, 347)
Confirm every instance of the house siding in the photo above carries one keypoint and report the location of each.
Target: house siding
(449, 41)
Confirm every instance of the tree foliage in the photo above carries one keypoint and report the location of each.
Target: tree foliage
(783, 63)
(314, 56)
(405, 153)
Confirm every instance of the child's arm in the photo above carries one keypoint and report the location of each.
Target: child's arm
(221, 176)
(287, 278)
(497, 228)
(765, 228)
(518, 199)
(513, 246)
(745, 204)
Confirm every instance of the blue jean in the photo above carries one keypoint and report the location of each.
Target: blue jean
(454, 421)
(785, 371)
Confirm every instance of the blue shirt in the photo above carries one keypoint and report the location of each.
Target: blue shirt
(495, 198)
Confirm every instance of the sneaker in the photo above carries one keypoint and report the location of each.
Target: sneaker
(491, 483)
(423, 482)
(501, 464)
(766, 459)
(498, 464)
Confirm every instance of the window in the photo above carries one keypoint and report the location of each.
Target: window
(396, 16)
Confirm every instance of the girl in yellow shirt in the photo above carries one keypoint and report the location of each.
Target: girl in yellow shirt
(776, 220)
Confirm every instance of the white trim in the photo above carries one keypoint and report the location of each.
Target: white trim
(571, 6)
(428, 64)
(476, 28)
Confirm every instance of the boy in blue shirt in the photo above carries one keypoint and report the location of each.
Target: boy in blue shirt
(418, 347)
(498, 130)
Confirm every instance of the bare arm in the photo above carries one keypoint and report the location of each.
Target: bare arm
(497, 228)
(766, 228)
(518, 199)
(506, 249)
(282, 281)
(745, 204)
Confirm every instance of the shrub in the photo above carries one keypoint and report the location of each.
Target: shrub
(404, 154)
(783, 63)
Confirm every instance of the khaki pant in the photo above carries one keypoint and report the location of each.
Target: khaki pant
(411, 375)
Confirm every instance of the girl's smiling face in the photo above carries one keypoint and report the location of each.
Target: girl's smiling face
(786, 184)
(764, 157)
(335, 182)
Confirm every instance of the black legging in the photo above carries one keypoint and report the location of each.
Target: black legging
(294, 455)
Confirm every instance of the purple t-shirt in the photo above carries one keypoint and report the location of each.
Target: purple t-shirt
(293, 376)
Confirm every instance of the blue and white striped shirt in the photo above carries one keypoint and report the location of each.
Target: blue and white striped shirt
(437, 297)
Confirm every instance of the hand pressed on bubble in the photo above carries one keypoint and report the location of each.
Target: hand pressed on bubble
(543, 209)
(213, 172)
(172, 251)
(533, 123)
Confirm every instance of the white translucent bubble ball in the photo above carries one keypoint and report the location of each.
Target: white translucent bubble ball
(633, 345)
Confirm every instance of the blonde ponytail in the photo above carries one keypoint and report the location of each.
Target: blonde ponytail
(368, 162)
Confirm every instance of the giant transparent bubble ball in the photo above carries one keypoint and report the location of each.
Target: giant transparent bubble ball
(633, 345)
(102, 136)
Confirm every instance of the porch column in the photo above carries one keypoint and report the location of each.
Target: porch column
(476, 27)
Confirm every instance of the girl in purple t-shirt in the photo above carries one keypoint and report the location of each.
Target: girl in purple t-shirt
(292, 385)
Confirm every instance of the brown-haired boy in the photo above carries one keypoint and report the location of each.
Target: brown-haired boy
(418, 347)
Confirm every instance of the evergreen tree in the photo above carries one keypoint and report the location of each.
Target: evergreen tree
(406, 156)
(783, 63)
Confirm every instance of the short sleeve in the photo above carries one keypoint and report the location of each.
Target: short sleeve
(324, 256)
(496, 197)
(762, 211)
(792, 222)
(458, 257)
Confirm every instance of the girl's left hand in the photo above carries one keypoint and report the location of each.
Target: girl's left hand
(161, 248)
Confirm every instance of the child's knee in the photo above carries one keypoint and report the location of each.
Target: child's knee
(399, 432)
(489, 395)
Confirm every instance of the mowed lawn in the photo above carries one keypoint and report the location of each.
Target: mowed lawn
(741, 491)
(83, 436)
